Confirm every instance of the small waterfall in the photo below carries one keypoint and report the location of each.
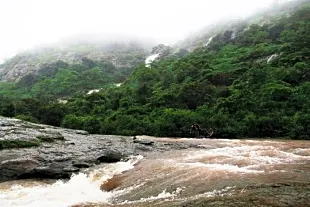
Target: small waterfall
(233, 36)
(93, 91)
(271, 58)
(210, 40)
(118, 84)
(150, 59)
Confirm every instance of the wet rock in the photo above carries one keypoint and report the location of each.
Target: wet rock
(81, 165)
(53, 171)
(30, 150)
(112, 183)
(14, 168)
(144, 142)
(111, 157)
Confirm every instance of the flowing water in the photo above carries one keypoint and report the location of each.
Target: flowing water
(150, 59)
(275, 172)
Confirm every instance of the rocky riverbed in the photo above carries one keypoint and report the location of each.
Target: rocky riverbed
(108, 171)
(30, 150)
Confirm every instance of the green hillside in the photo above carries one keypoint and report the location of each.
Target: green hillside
(256, 84)
(60, 72)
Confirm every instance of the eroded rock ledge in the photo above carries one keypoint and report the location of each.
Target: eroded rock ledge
(30, 150)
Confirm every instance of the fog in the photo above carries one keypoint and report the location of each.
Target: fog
(29, 23)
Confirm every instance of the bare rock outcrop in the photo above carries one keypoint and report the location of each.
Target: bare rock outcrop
(30, 150)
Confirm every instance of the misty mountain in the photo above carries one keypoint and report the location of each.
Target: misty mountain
(236, 27)
(254, 83)
(123, 53)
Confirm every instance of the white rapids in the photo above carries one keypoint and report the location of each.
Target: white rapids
(81, 188)
(213, 168)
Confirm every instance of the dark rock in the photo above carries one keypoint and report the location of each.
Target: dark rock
(55, 159)
(54, 171)
(15, 168)
(144, 142)
(81, 165)
(111, 157)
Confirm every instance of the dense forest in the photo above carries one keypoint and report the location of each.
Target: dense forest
(62, 80)
(255, 84)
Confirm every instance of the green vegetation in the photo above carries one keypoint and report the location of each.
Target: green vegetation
(17, 143)
(254, 85)
(50, 138)
(6, 144)
(124, 54)
(60, 79)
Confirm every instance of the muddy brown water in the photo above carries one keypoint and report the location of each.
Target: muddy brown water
(220, 173)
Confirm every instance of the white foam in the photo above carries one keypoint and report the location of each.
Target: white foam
(229, 140)
(223, 192)
(224, 167)
(163, 195)
(238, 158)
(81, 188)
(126, 190)
(302, 152)
(150, 59)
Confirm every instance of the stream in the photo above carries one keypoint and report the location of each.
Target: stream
(219, 173)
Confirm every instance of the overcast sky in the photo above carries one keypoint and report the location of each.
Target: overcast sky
(28, 23)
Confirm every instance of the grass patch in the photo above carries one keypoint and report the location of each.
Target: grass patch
(16, 143)
(7, 144)
(30, 126)
(50, 138)
(45, 139)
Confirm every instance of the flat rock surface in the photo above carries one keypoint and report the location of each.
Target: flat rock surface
(60, 152)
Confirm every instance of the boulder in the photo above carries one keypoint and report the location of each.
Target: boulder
(41, 151)
(15, 168)
(111, 157)
(112, 183)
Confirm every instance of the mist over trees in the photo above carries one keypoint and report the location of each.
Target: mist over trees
(251, 83)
